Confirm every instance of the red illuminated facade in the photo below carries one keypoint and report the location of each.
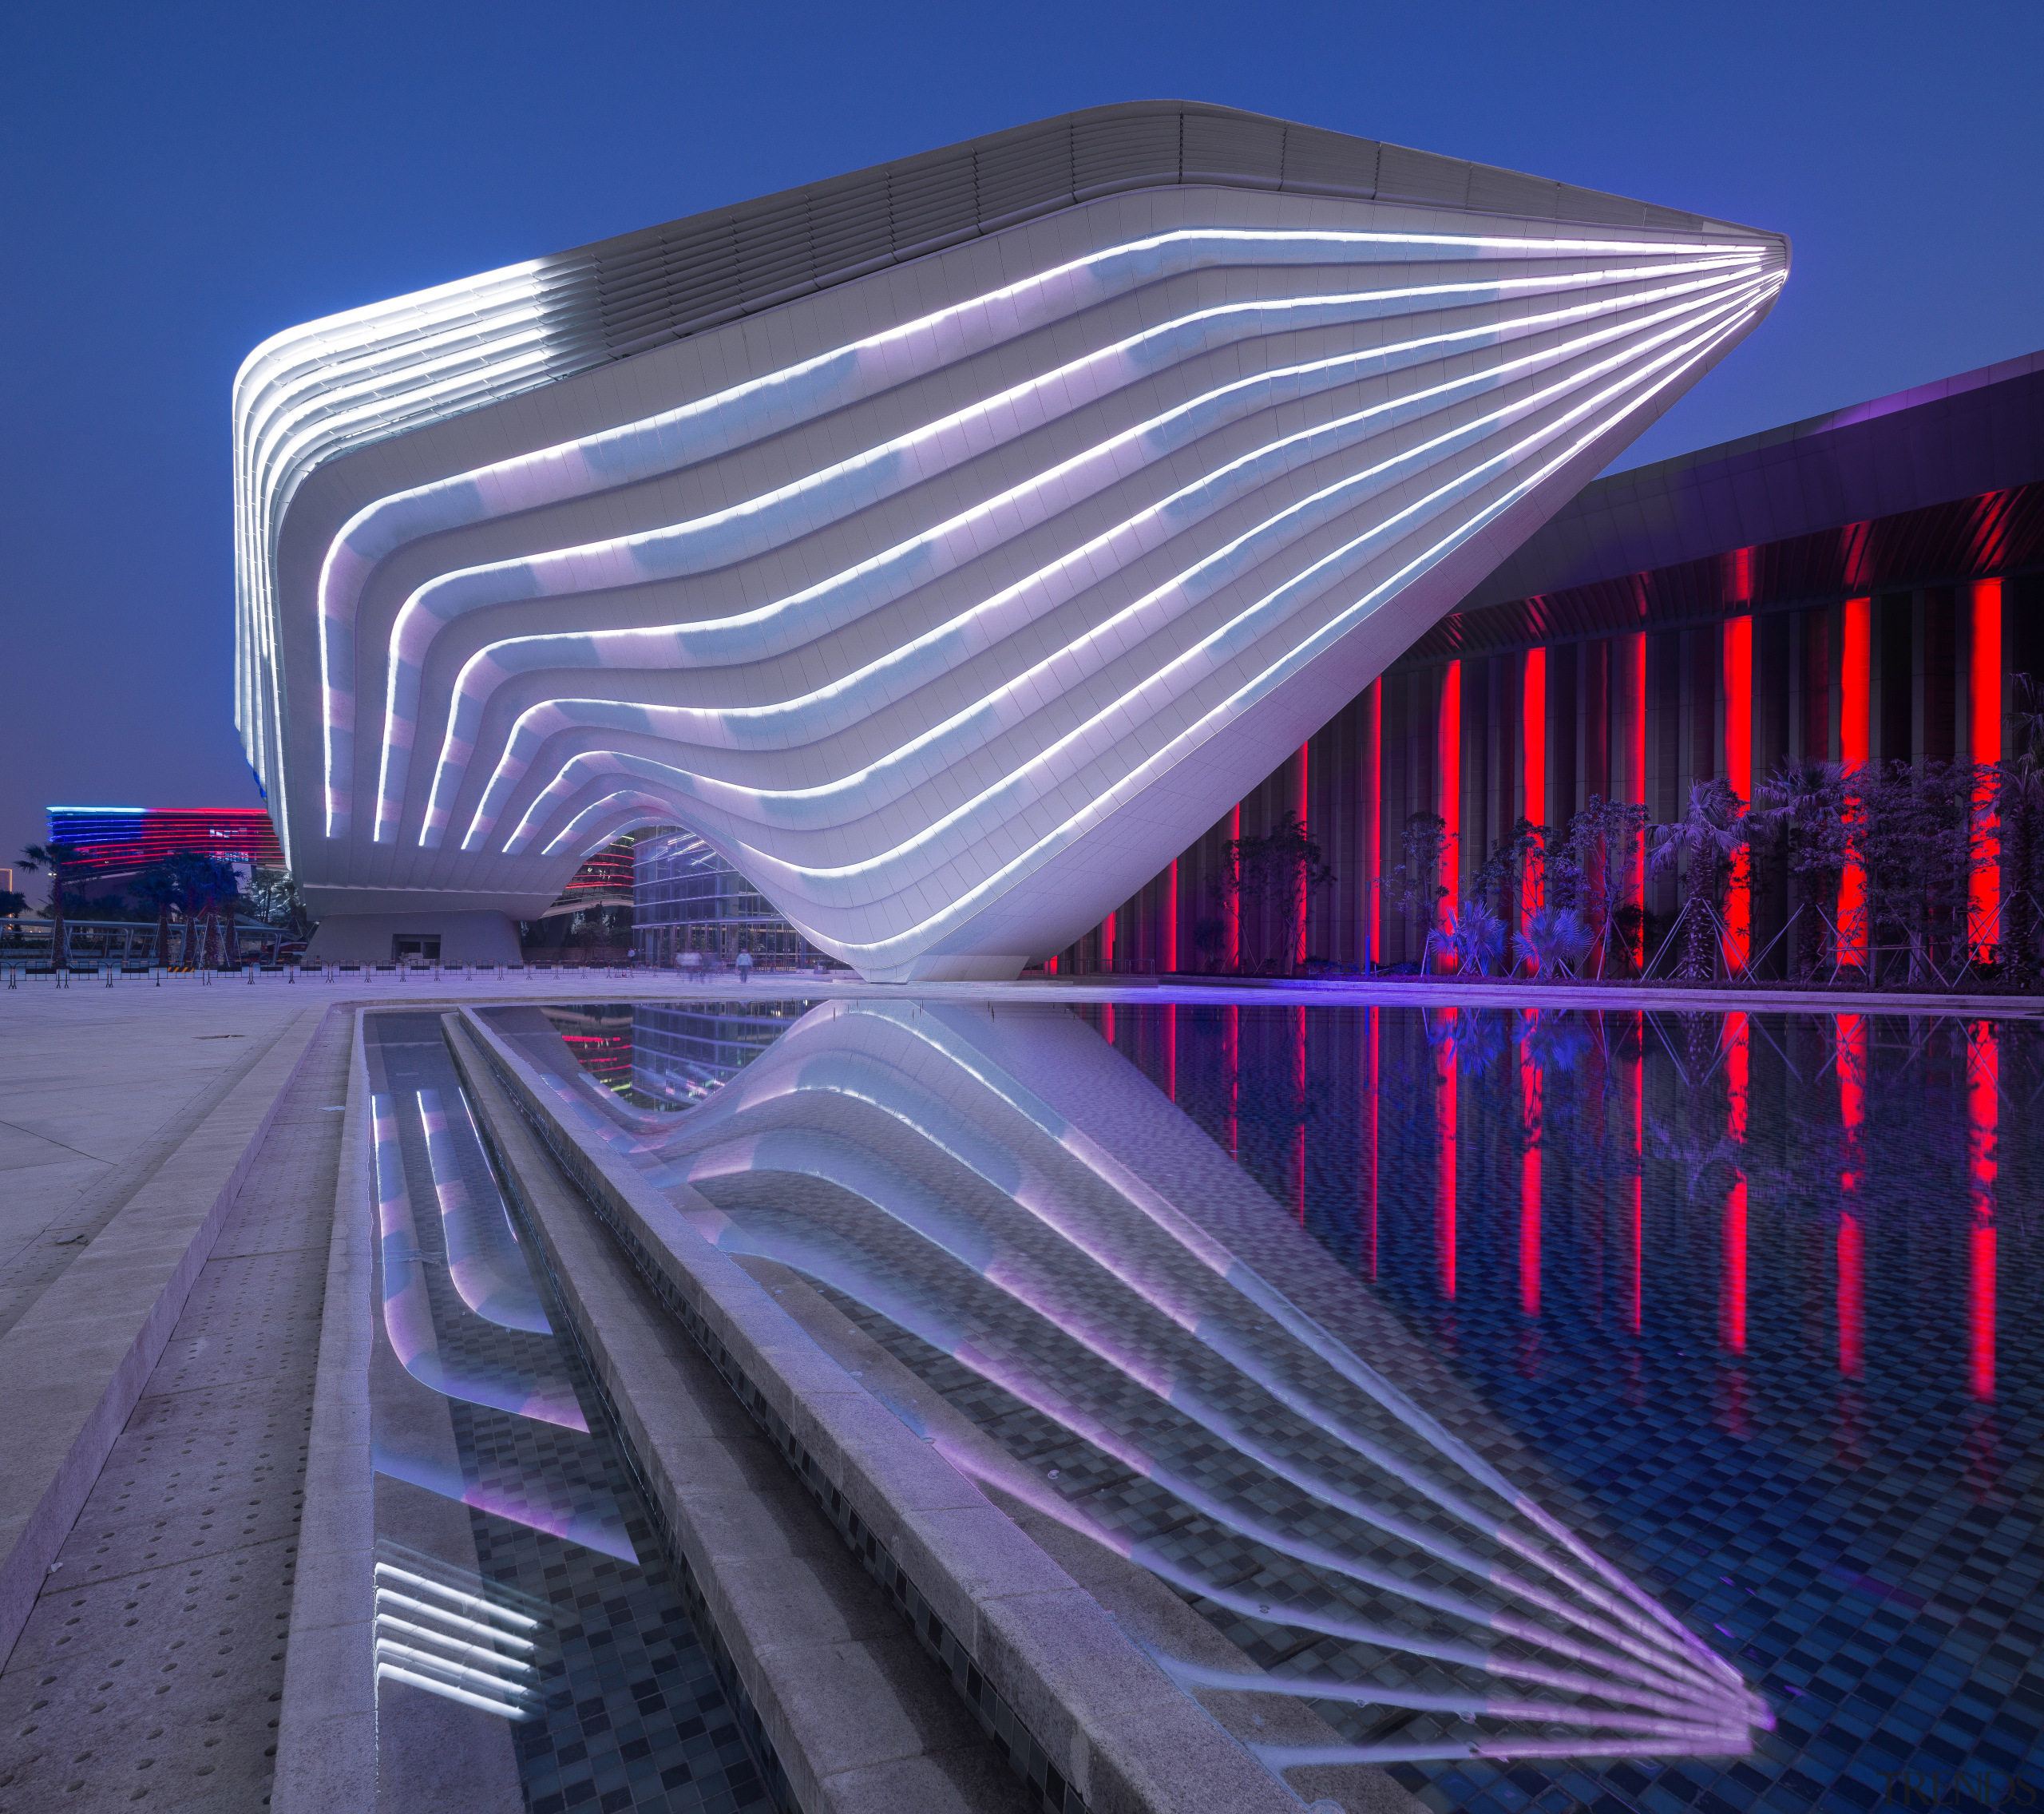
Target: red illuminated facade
(1860, 588)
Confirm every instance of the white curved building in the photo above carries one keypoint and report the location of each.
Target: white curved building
(949, 544)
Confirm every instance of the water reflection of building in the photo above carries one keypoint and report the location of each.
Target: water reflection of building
(1127, 1338)
(655, 1056)
(686, 897)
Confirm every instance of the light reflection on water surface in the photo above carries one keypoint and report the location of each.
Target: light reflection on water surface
(1749, 1300)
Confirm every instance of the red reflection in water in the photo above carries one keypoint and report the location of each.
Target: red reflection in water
(1445, 1176)
(1635, 1182)
(1852, 1115)
(1372, 1035)
(1983, 1070)
(1529, 1173)
(1299, 1108)
(1171, 1046)
(1737, 1057)
(1107, 1019)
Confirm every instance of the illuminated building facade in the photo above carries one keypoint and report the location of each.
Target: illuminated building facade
(120, 841)
(1863, 587)
(686, 897)
(945, 544)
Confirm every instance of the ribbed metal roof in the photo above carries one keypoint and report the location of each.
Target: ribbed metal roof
(1925, 487)
(622, 295)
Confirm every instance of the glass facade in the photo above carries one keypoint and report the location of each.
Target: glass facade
(687, 898)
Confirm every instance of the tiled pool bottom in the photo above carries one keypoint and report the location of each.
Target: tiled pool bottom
(1764, 1291)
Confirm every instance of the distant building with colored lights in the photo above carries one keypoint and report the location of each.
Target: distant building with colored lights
(120, 841)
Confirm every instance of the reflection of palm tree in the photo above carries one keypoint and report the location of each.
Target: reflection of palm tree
(1476, 1037)
(1695, 1154)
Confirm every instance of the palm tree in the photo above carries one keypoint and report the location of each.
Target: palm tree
(1701, 843)
(1476, 936)
(160, 886)
(56, 858)
(1806, 804)
(1554, 941)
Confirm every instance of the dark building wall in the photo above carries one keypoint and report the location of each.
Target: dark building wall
(1660, 693)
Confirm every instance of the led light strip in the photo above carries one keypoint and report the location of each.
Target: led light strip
(796, 882)
(549, 474)
(742, 637)
(660, 554)
(880, 954)
(962, 635)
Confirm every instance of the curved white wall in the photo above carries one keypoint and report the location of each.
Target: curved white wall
(950, 602)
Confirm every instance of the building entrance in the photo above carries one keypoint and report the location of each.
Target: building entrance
(415, 947)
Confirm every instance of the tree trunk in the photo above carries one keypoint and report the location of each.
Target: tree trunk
(58, 952)
(1698, 965)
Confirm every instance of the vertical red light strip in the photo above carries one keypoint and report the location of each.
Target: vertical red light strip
(1983, 1067)
(1529, 1171)
(1107, 943)
(1737, 1058)
(1171, 920)
(1233, 908)
(1372, 1035)
(1852, 1254)
(1984, 701)
(1450, 770)
(1444, 1125)
(1636, 1184)
(1739, 774)
(1372, 822)
(1855, 671)
(1299, 941)
(1533, 734)
(1633, 696)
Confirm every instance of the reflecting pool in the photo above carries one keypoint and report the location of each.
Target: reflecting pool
(1607, 1395)
(533, 1635)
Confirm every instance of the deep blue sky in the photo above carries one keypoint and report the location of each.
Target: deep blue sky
(179, 182)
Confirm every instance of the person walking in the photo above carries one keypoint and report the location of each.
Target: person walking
(745, 966)
(692, 965)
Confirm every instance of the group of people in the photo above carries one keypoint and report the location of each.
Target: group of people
(693, 964)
